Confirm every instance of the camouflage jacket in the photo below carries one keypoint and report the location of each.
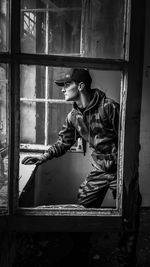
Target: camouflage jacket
(97, 125)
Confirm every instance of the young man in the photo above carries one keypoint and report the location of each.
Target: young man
(94, 118)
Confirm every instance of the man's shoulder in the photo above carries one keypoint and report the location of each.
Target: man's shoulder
(107, 106)
(110, 102)
(71, 115)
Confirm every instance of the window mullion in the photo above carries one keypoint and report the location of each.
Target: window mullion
(46, 107)
(14, 111)
(25, 99)
(46, 80)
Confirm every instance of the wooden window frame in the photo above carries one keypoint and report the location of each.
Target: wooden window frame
(131, 67)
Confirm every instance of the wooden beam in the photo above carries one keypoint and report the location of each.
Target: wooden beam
(58, 223)
(71, 61)
(14, 107)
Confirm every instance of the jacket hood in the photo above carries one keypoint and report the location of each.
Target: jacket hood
(97, 96)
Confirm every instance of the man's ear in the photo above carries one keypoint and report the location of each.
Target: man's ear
(81, 86)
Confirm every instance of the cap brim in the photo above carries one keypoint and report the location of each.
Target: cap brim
(60, 83)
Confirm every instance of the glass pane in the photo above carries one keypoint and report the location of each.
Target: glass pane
(37, 116)
(32, 117)
(32, 82)
(3, 134)
(51, 27)
(4, 25)
(88, 28)
(103, 29)
(56, 121)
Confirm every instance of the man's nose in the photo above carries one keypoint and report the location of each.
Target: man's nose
(63, 89)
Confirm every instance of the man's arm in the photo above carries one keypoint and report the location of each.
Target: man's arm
(66, 138)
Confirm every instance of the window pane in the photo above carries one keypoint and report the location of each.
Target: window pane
(32, 82)
(4, 25)
(3, 134)
(103, 29)
(32, 119)
(56, 121)
(88, 28)
(51, 27)
(40, 116)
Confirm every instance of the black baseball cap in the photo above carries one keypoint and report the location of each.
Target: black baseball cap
(76, 75)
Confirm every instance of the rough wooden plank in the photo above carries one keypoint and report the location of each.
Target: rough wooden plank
(14, 107)
(64, 61)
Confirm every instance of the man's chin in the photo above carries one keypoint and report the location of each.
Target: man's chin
(67, 99)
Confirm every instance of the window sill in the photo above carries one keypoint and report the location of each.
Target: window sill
(41, 148)
(68, 210)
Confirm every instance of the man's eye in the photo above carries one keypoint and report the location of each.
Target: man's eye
(67, 84)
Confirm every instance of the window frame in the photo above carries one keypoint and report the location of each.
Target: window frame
(14, 59)
(17, 58)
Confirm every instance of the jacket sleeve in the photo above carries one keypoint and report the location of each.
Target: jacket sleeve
(66, 138)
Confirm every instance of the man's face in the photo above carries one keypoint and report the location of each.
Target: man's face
(70, 90)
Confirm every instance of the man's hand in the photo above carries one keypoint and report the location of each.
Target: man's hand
(29, 160)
